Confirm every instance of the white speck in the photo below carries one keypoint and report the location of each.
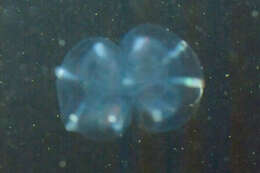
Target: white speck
(112, 118)
(157, 115)
(108, 165)
(59, 72)
(190, 82)
(227, 75)
(254, 13)
(62, 73)
(72, 124)
(116, 124)
(127, 82)
(74, 118)
(62, 43)
(62, 163)
(139, 44)
(100, 50)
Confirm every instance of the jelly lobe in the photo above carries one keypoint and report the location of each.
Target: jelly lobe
(89, 92)
(154, 72)
(168, 76)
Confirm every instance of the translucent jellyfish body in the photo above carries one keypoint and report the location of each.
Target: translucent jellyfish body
(152, 71)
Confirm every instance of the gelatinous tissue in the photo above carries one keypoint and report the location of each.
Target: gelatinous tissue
(153, 77)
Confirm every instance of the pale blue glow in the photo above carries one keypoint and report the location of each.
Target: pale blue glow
(152, 71)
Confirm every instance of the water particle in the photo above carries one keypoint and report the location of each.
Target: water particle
(62, 163)
(62, 43)
(254, 13)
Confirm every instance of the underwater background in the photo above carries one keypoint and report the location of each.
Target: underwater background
(223, 136)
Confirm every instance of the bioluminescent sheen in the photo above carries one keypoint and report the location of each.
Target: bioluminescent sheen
(153, 77)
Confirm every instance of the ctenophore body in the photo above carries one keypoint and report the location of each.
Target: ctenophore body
(152, 76)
